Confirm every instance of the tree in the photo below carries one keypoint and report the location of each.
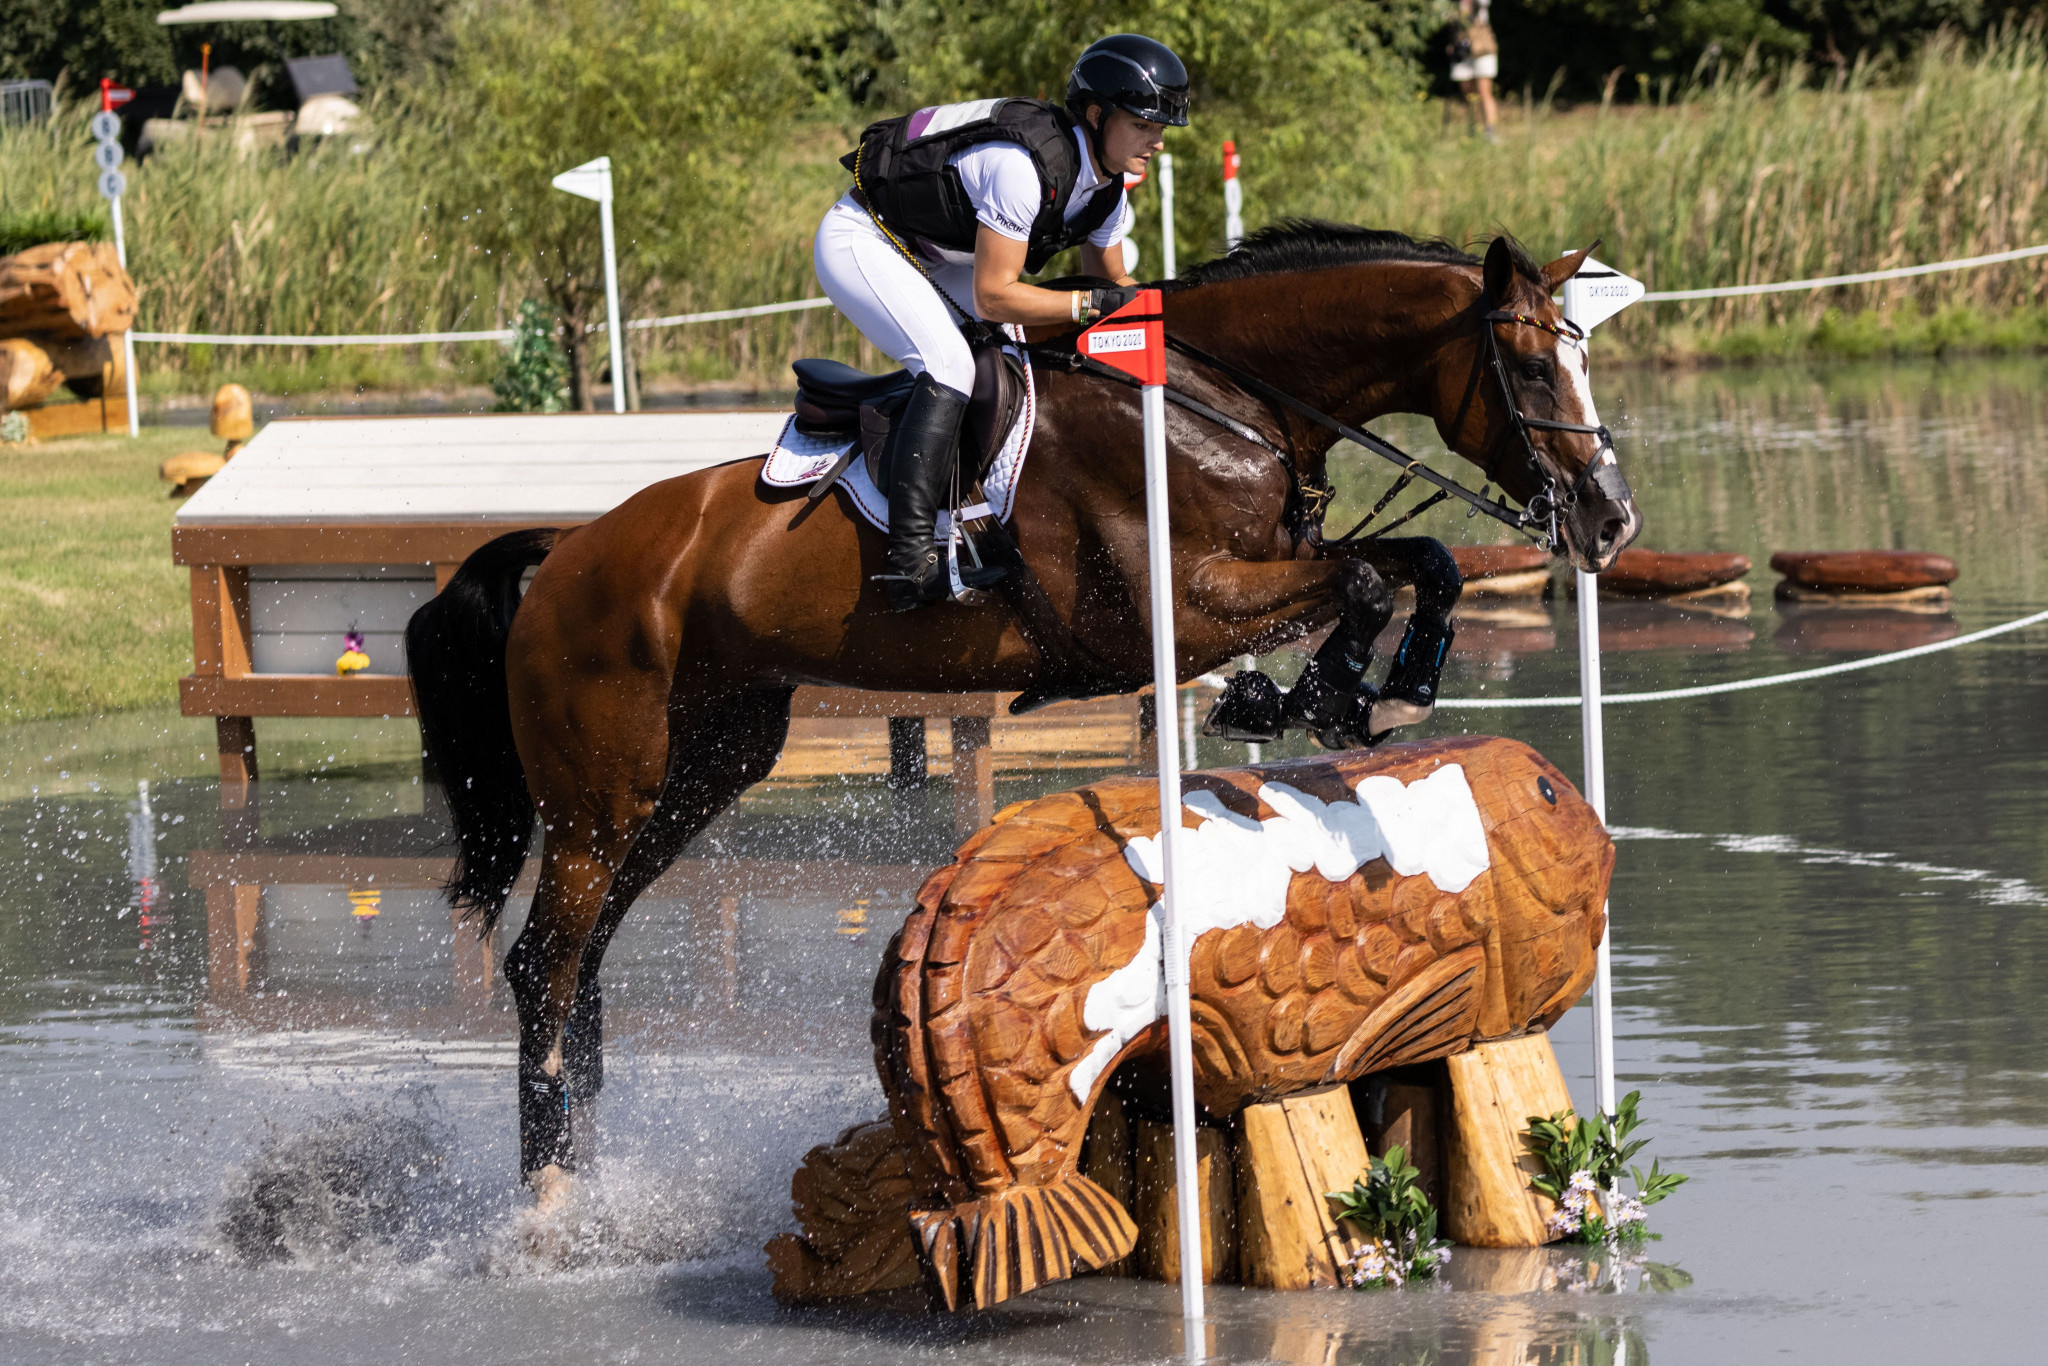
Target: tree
(690, 93)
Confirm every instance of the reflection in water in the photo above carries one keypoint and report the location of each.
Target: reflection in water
(1828, 933)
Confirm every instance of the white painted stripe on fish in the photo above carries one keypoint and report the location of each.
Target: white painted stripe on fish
(1236, 871)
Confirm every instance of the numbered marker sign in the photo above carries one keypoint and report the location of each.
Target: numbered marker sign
(108, 155)
(106, 126)
(113, 184)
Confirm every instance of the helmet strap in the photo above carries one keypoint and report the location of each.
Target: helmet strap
(1096, 132)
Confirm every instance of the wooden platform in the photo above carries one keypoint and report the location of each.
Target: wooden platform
(323, 525)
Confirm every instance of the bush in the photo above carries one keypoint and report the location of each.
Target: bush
(535, 375)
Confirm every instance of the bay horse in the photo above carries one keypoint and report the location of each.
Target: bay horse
(643, 680)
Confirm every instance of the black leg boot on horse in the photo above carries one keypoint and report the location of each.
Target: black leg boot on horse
(1409, 695)
(1331, 699)
(924, 453)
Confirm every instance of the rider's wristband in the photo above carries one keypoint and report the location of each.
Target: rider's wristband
(1078, 296)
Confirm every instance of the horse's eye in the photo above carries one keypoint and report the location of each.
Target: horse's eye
(1534, 369)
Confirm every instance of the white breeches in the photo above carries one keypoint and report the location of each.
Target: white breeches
(892, 304)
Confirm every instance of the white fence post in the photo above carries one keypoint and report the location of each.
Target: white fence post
(1233, 197)
(593, 180)
(1166, 255)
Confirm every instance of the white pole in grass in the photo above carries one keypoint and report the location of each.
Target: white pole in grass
(1166, 256)
(593, 180)
(1233, 198)
(108, 154)
(1133, 339)
(1591, 297)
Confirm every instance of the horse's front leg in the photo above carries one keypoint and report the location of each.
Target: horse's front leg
(1331, 698)
(1410, 692)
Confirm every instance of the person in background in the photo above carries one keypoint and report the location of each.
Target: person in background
(1475, 61)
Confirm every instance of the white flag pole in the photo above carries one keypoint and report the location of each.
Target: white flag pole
(127, 336)
(1591, 297)
(1133, 339)
(593, 180)
(1166, 255)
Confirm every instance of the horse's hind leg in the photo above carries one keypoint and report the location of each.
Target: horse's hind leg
(716, 752)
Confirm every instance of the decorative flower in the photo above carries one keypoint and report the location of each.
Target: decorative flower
(353, 660)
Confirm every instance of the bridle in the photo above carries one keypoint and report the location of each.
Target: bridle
(1601, 472)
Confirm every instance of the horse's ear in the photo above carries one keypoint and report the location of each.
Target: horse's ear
(1499, 272)
(1564, 267)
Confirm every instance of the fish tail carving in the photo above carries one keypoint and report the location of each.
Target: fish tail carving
(999, 1246)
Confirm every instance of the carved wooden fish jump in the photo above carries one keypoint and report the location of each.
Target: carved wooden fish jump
(1347, 914)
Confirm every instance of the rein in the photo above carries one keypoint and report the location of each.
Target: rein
(1537, 518)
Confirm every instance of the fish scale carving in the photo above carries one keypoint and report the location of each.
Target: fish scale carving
(982, 1007)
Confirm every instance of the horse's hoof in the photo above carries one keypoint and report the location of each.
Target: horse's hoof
(1248, 710)
(546, 1231)
(1391, 713)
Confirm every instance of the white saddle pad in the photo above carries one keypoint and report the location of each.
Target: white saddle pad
(798, 460)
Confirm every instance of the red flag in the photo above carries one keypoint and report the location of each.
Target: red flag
(113, 96)
(1133, 339)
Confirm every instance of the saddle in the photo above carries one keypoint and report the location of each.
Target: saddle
(838, 402)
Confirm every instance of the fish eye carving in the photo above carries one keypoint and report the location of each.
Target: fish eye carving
(1544, 788)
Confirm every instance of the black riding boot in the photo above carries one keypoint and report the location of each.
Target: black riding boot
(924, 445)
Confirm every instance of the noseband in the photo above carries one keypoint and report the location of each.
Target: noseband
(1603, 475)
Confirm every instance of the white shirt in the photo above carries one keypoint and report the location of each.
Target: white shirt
(1003, 185)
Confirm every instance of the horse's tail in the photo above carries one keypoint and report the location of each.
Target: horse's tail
(455, 656)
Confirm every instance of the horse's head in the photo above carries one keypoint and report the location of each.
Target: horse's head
(1520, 406)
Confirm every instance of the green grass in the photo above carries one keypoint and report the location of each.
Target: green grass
(94, 617)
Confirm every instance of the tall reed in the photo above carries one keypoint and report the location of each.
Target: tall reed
(1747, 176)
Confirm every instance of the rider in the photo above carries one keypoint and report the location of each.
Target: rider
(950, 206)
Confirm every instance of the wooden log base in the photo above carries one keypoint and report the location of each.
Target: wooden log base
(1291, 1154)
(1495, 1088)
(1931, 598)
(1529, 583)
(1107, 1160)
(1158, 1209)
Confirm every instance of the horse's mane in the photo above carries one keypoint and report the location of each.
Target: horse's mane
(1295, 244)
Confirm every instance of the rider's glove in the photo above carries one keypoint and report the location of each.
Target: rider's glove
(1100, 303)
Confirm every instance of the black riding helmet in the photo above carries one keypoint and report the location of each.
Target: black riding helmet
(1135, 74)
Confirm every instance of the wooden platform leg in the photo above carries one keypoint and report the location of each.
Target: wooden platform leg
(1291, 1154)
(476, 959)
(974, 774)
(234, 932)
(729, 950)
(236, 737)
(1495, 1087)
(909, 760)
(1157, 1211)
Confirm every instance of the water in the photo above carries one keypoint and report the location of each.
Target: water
(260, 1125)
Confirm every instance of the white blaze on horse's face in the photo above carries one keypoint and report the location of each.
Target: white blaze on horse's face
(1573, 365)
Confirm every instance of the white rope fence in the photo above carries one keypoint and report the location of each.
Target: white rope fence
(1862, 278)
(498, 334)
(1711, 689)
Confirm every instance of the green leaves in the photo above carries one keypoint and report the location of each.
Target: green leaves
(1582, 1158)
(535, 375)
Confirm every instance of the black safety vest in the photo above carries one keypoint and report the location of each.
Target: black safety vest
(907, 184)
